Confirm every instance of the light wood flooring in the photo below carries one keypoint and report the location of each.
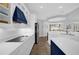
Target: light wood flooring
(42, 48)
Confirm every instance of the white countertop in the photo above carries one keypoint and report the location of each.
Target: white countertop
(67, 43)
(6, 47)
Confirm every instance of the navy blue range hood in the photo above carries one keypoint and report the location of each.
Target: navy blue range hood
(19, 16)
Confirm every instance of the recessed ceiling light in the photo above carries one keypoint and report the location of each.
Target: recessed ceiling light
(60, 7)
(41, 7)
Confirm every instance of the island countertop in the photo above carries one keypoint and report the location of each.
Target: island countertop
(67, 43)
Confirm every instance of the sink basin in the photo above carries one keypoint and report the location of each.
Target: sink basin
(18, 39)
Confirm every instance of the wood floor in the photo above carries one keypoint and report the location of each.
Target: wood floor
(42, 48)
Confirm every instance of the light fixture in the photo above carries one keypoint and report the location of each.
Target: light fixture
(60, 7)
(41, 7)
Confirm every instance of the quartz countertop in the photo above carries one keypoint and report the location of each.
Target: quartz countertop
(7, 47)
(69, 44)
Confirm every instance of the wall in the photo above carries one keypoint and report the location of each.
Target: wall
(73, 17)
(40, 22)
(43, 28)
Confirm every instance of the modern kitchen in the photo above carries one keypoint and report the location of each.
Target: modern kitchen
(39, 28)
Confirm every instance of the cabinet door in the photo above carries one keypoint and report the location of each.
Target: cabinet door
(55, 50)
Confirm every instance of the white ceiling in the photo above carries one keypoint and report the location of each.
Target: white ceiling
(47, 10)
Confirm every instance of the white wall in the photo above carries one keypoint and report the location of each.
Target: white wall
(40, 22)
(43, 28)
(73, 16)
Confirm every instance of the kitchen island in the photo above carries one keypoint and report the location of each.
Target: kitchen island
(68, 44)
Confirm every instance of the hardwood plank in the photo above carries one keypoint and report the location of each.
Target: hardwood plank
(42, 48)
